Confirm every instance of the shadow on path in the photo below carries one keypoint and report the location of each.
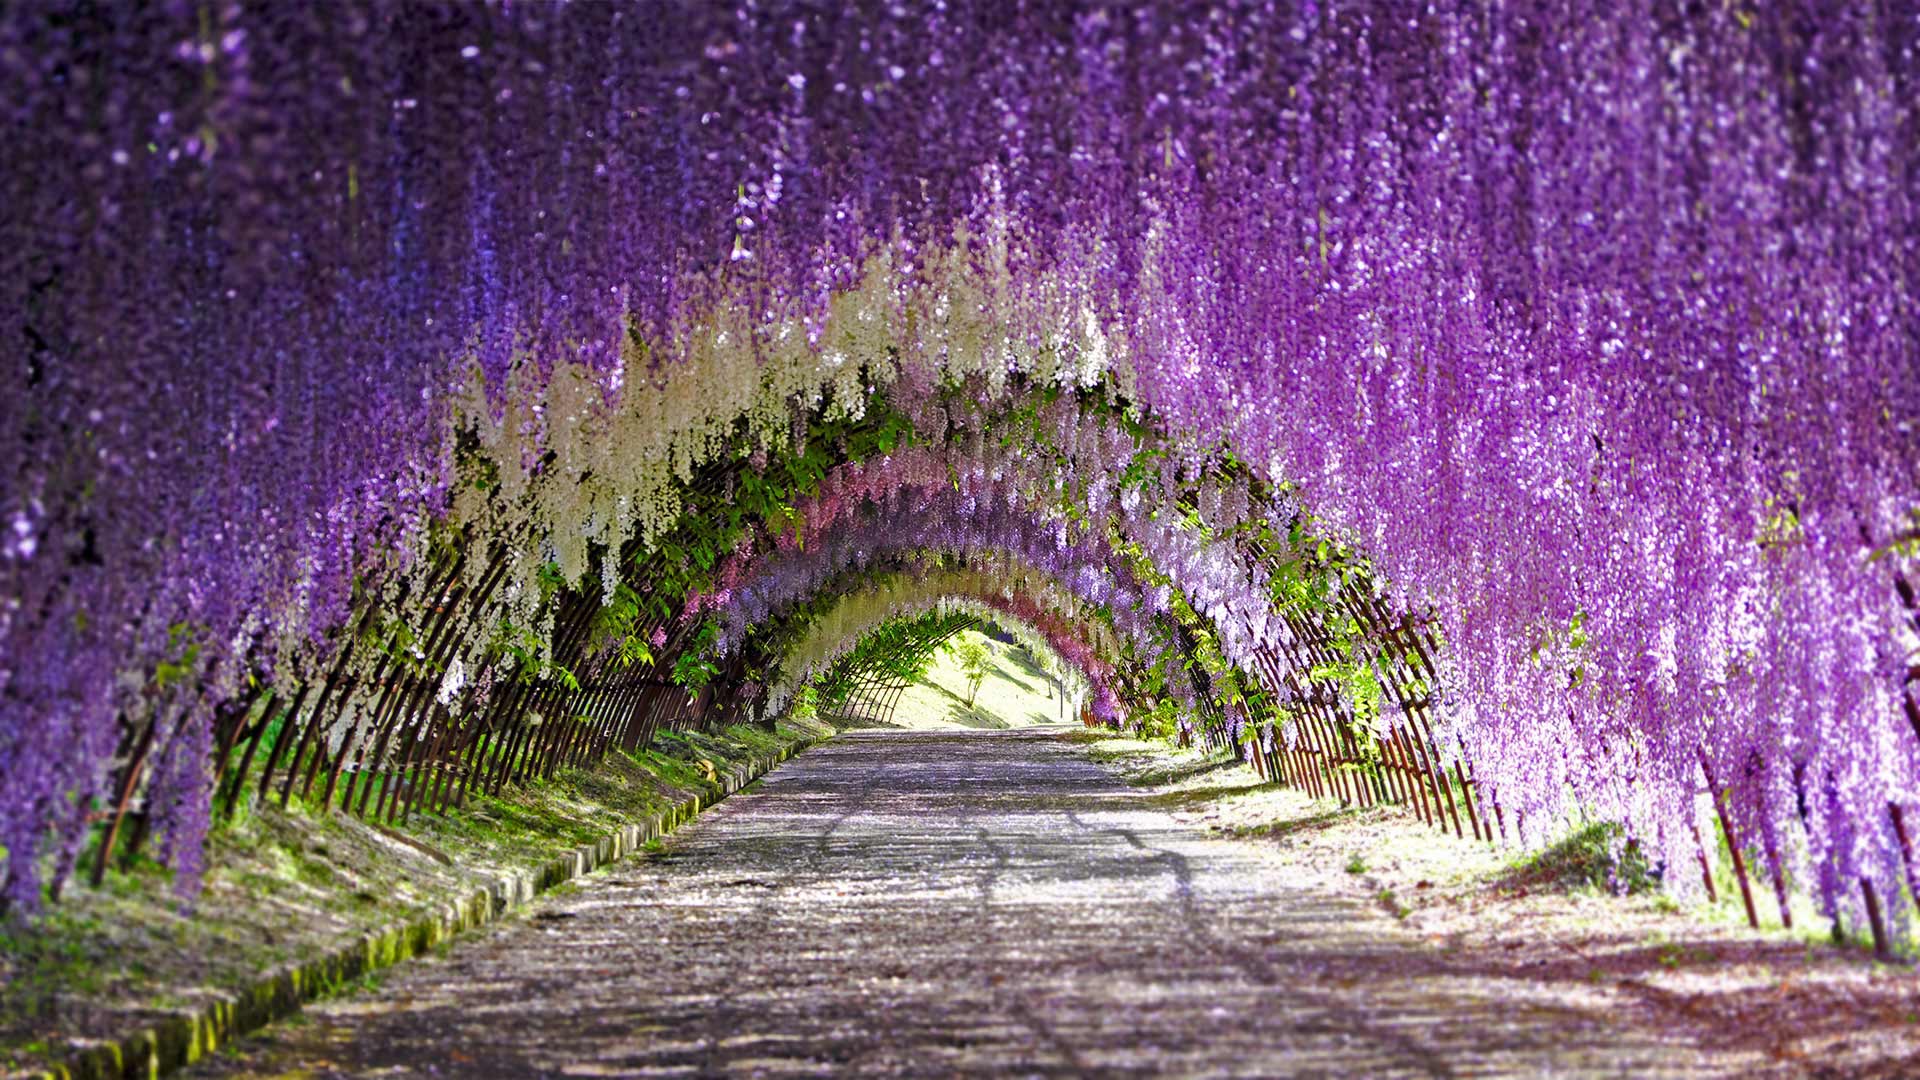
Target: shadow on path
(983, 903)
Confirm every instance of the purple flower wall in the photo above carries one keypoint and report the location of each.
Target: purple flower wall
(1593, 326)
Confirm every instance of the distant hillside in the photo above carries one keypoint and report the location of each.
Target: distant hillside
(1016, 692)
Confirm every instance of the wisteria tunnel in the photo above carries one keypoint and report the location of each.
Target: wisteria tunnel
(1492, 422)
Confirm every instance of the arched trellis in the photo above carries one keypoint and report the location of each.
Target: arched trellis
(1196, 247)
(905, 615)
(372, 739)
(369, 736)
(407, 751)
(421, 755)
(865, 684)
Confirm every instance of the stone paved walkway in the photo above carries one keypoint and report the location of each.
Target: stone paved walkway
(955, 903)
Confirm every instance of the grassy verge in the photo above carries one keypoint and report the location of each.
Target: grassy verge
(287, 885)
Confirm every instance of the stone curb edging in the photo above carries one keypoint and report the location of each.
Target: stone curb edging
(185, 1038)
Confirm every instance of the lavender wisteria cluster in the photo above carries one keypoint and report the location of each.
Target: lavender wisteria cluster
(1593, 330)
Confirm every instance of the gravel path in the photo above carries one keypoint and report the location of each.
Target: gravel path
(941, 903)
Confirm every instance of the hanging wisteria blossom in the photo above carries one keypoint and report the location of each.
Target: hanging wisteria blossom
(1577, 347)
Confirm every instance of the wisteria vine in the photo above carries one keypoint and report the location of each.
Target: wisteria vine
(1586, 335)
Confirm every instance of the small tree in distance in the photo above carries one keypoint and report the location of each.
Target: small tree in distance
(976, 659)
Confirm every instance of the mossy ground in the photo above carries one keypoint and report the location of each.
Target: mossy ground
(287, 885)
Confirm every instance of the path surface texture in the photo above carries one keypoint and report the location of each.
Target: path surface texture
(987, 903)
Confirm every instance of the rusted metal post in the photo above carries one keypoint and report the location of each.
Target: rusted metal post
(431, 774)
(436, 581)
(1733, 844)
(1881, 946)
(129, 780)
(353, 743)
(230, 725)
(1466, 796)
(435, 722)
(1906, 846)
(482, 750)
(1403, 765)
(306, 730)
(267, 718)
(1706, 869)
